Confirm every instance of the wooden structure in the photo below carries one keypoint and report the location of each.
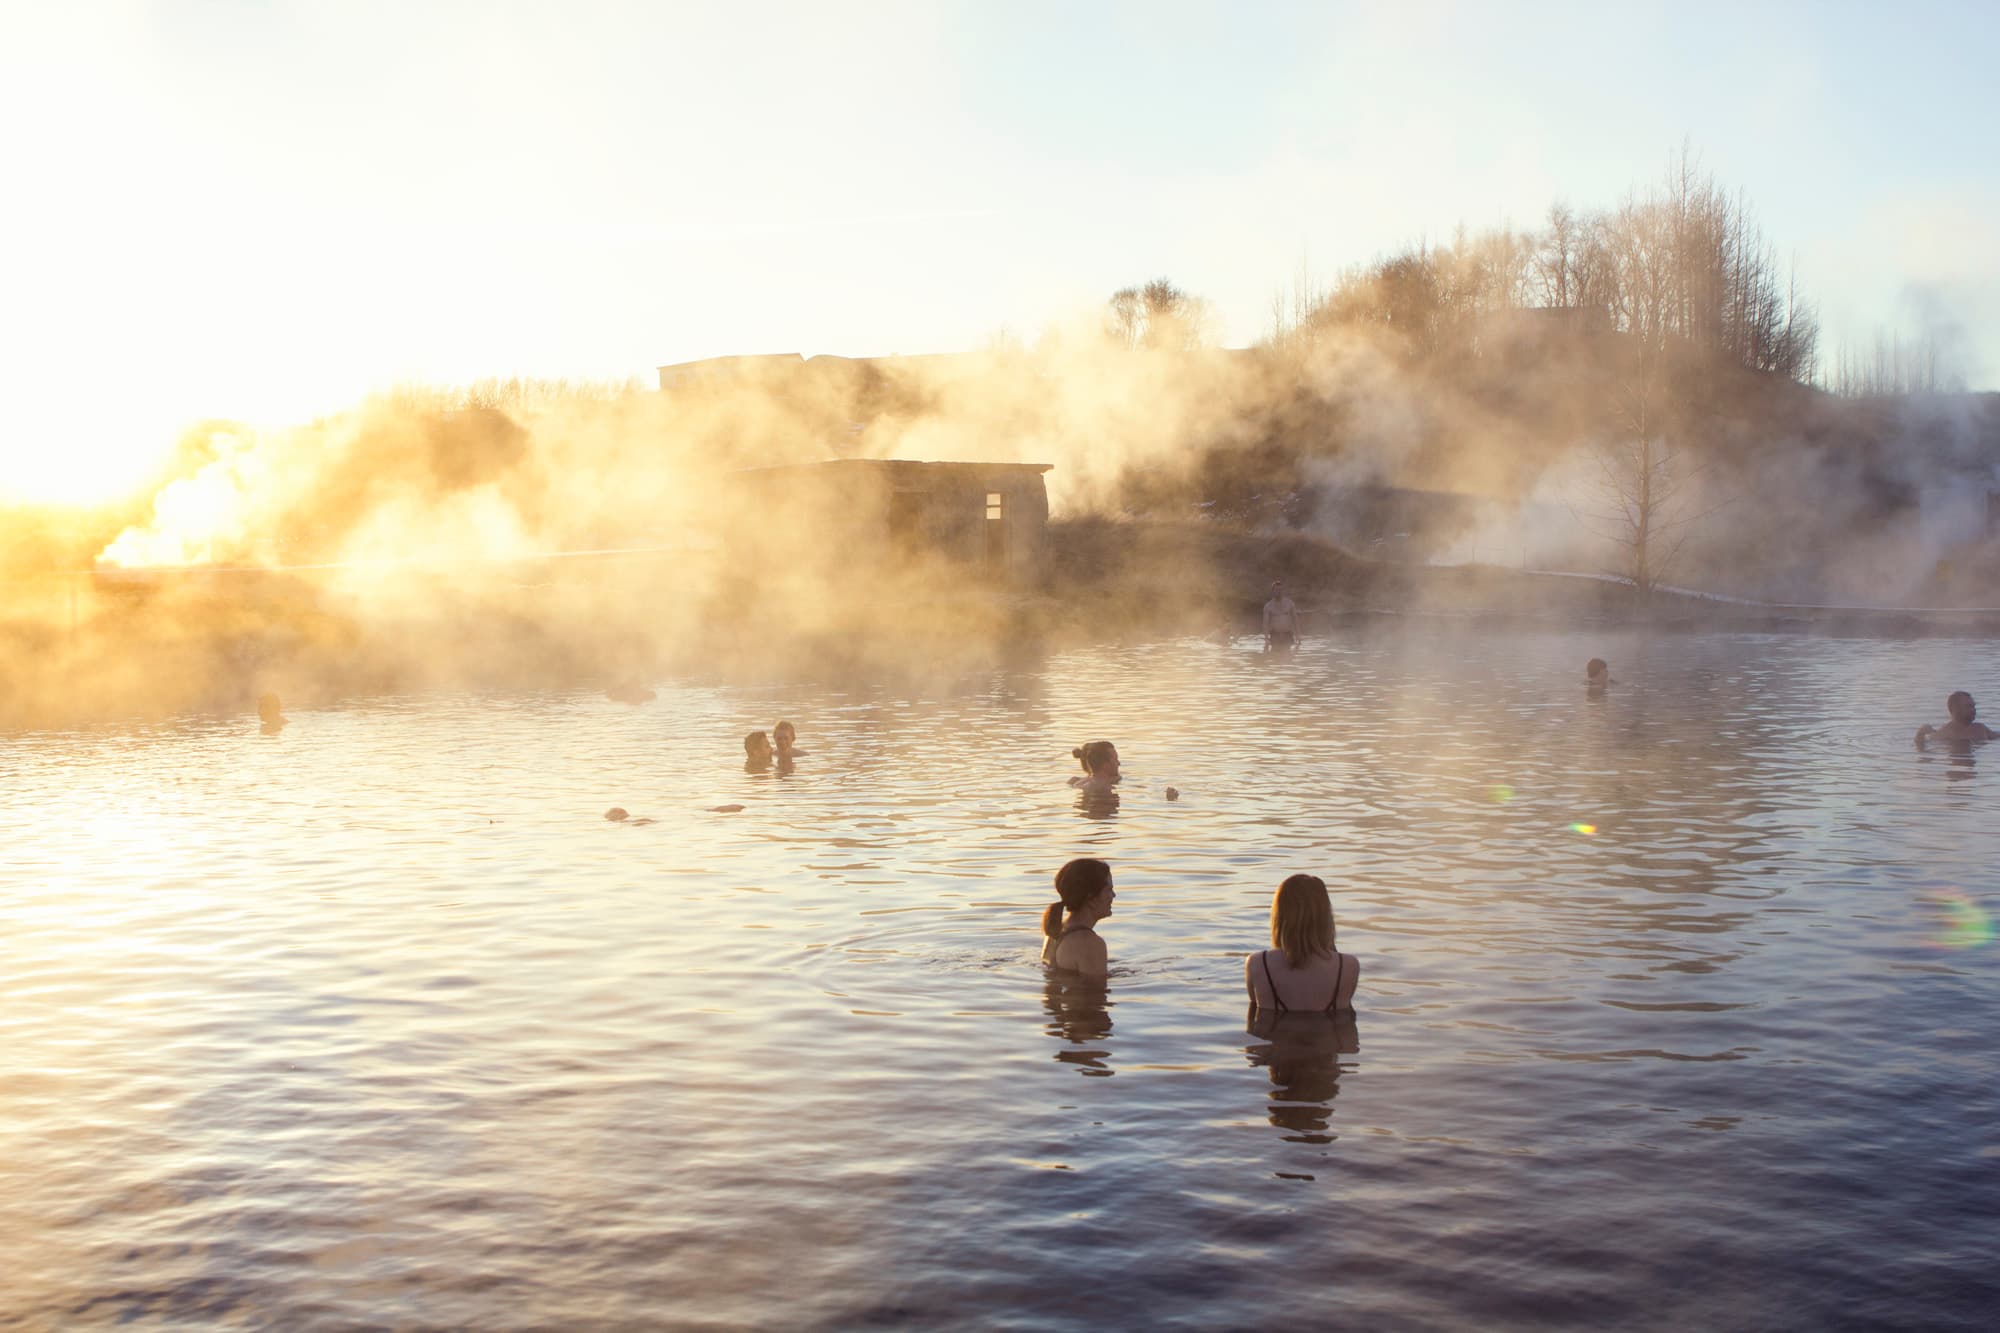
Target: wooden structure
(860, 512)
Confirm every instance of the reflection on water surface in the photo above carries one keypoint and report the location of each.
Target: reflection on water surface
(1080, 1016)
(1302, 1053)
(1677, 1000)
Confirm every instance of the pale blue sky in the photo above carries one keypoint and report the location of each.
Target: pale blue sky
(267, 210)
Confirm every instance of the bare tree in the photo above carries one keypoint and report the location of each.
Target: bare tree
(1893, 365)
(1642, 484)
(1689, 267)
(1124, 318)
(1660, 279)
(1556, 259)
(1159, 316)
(1296, 316)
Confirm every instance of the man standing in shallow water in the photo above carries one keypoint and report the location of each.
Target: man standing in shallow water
(1281, 619)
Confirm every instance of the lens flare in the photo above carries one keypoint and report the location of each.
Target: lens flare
(1587, 830)
(1500, 793)
(1963, 923)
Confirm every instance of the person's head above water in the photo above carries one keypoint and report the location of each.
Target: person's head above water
(1084, 886)
(1597, 669)
(757, 746)
(269, 708)
(786, 735)
(1099, 759)
(1302, 919)
(1961, 707)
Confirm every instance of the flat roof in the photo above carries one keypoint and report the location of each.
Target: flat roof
(861, 464)
(743, 359)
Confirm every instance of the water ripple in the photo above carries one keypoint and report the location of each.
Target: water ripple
(379, 1022)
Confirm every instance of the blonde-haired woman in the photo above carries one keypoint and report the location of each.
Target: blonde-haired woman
(1302, 971)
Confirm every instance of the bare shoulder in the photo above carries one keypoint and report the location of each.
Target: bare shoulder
(1091, 959)
(1081, 951)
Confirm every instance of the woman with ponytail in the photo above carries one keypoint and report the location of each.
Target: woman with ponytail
(1069, 940)
(1100, 767)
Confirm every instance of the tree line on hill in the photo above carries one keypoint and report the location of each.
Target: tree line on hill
(1681, 265)
(1662, 339)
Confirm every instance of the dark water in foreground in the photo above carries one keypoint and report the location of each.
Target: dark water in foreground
(378, 1022)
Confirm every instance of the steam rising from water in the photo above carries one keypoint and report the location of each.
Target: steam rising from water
(415, 538)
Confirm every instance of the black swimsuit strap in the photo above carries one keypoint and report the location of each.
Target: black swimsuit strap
(1265, 959)
(1339, 975)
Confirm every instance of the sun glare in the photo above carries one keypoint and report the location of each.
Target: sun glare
(51, 466)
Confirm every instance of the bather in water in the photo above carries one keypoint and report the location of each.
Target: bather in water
(1069, 936)
(272, 713)
(1302, 970)
(756, 752)
(1962, 724)
(1100, 768)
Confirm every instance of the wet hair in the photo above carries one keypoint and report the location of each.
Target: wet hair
(1960, 700)
(1302, 919)
(1596, 667)
(756, 741)
(1094, 755)
(1077, 883)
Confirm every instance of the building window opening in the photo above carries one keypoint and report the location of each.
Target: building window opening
(996, 529)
